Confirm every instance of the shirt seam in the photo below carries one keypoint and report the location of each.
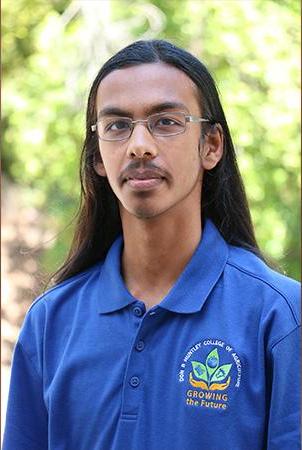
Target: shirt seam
(29, 439)
(257, 277)
(30, 359)
(284, 337)
(63, 283)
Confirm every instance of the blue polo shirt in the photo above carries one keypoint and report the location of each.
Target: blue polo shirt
(213, 366)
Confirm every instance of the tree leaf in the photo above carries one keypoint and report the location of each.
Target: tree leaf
(212, 361)
(221, 373)
(200, 371)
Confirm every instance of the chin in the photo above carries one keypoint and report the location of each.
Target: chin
(143, 212)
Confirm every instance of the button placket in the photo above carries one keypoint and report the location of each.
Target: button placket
(140, 345)
(134, 382)
(137, 311)
(135, 372)
(134, 376)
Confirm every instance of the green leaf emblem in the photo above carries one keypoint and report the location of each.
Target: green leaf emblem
(200, 371)
(212, 361)
(221, 373)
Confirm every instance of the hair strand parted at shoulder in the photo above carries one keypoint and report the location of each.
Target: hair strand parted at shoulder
(223, 196)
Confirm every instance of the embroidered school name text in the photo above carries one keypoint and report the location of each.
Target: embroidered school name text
(200, 398)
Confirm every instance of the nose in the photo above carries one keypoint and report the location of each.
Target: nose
(141, 143)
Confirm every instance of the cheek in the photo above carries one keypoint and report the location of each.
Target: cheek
(185, 160)
(110, 163)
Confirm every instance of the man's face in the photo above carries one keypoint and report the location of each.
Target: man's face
(166, 171)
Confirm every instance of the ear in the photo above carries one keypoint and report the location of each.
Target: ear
(98, 165)
(211, 150)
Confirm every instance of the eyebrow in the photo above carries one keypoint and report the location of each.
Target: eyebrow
(115, 111)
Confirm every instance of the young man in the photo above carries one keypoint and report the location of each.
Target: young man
(166, 329)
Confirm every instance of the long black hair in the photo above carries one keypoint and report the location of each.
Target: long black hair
(223, 196)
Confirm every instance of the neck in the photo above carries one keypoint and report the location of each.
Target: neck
(156, 251)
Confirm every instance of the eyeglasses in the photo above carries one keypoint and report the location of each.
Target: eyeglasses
(161, 124)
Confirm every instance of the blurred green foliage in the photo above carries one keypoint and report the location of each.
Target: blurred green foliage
(53, 50)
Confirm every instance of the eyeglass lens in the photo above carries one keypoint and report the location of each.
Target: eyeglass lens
(162, 124)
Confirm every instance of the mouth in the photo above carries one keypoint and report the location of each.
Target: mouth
(146, 178)
(145, 183)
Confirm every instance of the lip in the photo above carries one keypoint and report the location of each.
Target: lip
(143, 178)
(144, 184)
(142, 174)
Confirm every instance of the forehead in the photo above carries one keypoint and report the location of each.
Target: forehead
(136, 89)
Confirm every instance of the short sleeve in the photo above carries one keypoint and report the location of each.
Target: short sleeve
(26, 417)
(284, 413)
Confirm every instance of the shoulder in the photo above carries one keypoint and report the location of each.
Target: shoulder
(63, 296)
(254, 270)
(277, 295)
(52, 315)
(71, 287)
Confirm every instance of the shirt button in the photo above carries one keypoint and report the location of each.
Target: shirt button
(137, 311)
(134, 382)
(140, 346)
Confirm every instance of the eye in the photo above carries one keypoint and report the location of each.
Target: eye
(117, 125)
(171, 123)
(165, 121)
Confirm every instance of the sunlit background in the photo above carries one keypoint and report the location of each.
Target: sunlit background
(52, 51)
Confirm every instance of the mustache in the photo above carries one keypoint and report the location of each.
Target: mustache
(136, 169)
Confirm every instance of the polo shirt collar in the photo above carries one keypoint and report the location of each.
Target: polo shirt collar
(190, 290)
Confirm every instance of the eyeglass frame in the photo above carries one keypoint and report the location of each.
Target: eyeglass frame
(188, 118)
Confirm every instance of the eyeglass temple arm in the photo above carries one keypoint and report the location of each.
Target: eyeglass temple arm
(196, 119)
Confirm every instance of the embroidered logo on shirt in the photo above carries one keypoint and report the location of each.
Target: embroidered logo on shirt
(211, 373)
